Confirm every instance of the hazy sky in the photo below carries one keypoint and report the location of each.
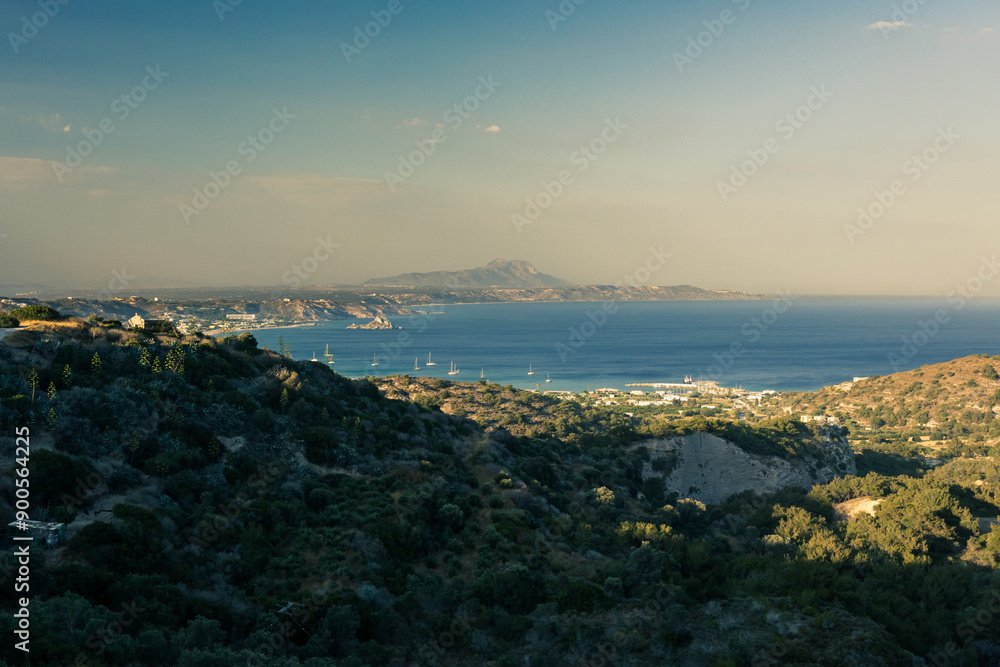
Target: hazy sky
(312, 117)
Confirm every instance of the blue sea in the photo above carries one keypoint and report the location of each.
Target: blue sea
(803, 344)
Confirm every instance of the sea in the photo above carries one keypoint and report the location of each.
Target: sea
(790, 344)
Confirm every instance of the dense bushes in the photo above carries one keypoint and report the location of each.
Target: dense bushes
(436, 541)
(40, 313)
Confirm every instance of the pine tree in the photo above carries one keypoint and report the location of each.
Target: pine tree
(284, 400)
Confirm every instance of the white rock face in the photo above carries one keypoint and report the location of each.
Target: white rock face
(711, 469)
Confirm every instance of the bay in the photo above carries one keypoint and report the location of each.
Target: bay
(811, 343)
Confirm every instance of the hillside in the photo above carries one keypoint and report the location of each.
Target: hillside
(955, 399)
(706, 460)
(498, 273)
(246, 507)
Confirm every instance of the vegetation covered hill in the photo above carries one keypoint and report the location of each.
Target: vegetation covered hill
(953, 401)
(229, 506)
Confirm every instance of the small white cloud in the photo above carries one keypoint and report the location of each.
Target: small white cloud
(67, 128)
(53, 122)
(492, 128)
(413, 122)
(988, 31)
(886, 26)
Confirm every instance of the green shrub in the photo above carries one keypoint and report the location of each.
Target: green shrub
(42, 313)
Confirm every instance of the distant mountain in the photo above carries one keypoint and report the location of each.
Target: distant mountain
(498, 273)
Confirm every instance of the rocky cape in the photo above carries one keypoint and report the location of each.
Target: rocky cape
(705, 467)
(378, 323)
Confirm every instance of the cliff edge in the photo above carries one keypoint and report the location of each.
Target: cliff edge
(705, 467)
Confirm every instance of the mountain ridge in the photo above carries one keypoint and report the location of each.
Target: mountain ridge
(498, 273)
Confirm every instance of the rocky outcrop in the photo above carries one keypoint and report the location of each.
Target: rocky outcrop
(378, 323)
(705, 467)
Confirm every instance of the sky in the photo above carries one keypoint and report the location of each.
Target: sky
(814, 147)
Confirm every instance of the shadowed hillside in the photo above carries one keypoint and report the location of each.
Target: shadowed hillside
(244, 506)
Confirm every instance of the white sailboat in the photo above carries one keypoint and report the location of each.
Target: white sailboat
(375, 360)
(547, 378)
(482, 373)
(429, 362)
(415, 367)
(454, 370)
(530, 372)
(327, 357)
(314, 356)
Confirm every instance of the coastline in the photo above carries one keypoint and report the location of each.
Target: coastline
(235, 332)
